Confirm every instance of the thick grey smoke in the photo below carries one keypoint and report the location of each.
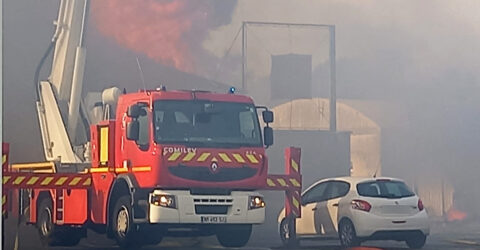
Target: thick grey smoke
(418, 60)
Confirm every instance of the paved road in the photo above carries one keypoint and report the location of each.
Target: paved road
(447, 236)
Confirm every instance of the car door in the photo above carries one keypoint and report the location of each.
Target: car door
(327, 210)
(306, 224)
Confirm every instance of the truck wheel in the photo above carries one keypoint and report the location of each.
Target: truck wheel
(70, 236)
(122, 223)
(288, 234)
(46, 228)
(234, 236)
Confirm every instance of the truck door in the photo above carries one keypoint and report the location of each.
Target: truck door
(136, 152)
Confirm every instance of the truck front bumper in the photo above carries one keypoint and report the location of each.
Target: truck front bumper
(206, 209)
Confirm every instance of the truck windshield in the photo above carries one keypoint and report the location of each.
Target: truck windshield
(206, 123)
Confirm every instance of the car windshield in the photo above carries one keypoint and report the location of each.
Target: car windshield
(206, 123)
(384, 189)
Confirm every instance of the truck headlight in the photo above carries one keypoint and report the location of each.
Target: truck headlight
(163, 200)
(256, 202)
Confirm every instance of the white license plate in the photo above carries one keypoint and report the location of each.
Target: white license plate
(213, 219)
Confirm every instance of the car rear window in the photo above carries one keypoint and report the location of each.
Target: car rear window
(384, 189)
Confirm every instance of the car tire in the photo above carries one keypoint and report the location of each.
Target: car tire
(417, 241)
(347, 234)
(122, 224)
(288, 234)
(234, 236)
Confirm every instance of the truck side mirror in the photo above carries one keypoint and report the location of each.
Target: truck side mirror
(133, 129)
(268, 136)
(133, 111)
(267, 116)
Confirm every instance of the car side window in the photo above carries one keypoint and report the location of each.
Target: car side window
(337, 189)
(315, 194)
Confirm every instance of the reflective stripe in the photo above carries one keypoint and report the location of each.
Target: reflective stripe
(6, 179)
(203, 157)
(98, 170)
(270, 182)
(174, 156)
(224, 157)
(252, 158)
(32, 180)
(61, 180)
(239, 158)
(294, 182)
(87, 182)
(189, 156)
(18, 180)
(103, 145)
(142, 169)
(294, 165)
(46, 181)
(296, 203)
(75, 181)
(282, 182)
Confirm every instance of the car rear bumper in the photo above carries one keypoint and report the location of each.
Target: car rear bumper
(369, 225)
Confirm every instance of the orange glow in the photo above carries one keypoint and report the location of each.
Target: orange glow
(157, 28)
(455, 215)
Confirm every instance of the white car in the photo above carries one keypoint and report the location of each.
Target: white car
(356, 209)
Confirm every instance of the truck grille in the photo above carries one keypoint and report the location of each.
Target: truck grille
(209, 209)
(202, 173)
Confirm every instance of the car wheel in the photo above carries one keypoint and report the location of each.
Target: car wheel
(234, 236)
(417, 241)
(347, 234)
(122, 223)
(288, 234)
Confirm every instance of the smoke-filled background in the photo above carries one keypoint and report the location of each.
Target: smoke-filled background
(417, 60)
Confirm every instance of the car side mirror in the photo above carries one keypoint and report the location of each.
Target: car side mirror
(268, 136)
(267, 116)
(133, 130)
(133, 111)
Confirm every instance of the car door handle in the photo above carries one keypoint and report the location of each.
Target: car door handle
(335, 205)
(313, 209)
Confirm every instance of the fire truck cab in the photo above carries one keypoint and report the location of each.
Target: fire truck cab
(184, 160)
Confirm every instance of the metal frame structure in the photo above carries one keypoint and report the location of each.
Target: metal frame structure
(332, 59)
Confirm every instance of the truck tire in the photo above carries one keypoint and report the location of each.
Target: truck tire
(123, 228)
(70, 236)
(234, 235)
(46, 228)
(54, 235)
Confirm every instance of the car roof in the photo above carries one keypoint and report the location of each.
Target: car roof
(354, 180)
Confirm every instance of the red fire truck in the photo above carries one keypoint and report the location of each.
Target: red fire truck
(140, 166)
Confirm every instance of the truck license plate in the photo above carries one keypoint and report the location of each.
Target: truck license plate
(214, 219)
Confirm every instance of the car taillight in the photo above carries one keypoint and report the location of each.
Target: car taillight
(361, 205)
(420, 205)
